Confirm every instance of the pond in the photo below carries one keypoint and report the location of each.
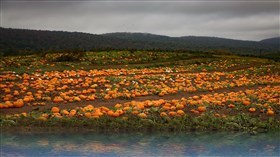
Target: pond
(137, 144)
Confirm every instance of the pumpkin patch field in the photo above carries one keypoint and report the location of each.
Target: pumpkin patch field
(123, 91)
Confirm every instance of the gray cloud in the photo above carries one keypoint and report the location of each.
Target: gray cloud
(231, 19)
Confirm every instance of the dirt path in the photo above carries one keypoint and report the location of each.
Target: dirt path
(112, 102)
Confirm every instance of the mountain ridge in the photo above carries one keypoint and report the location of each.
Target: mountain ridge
(19, 41)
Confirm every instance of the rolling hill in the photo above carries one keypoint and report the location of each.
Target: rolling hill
(22, 41)
(275, 41)
(202, 43)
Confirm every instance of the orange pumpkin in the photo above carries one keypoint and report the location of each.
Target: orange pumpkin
(55, 109)
(26, 99)
(116, 114)
(135, 112)
(180, 112)
(142, 115)
(65, 112)
(195, 97)
(19, 103)
(87, 114)
(16, 93)
(77, 98)
(163, 114)
(201, 108)
(172, 113)
(118, 105)
(1, 105)
(57, 115)
(57, 99)
(179, 106)
(126, 108)
(246, 103)
(173, 108)
(270, 112)
(72, 113)
(97, 114)
(24, 114)
(110, 113)
(252, 109)
(8, 104)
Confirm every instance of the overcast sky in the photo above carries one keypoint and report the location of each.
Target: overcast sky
(239, 19)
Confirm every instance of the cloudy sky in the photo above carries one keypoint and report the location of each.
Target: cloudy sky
(237, 19)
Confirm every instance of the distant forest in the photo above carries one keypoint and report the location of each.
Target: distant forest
(22, 41)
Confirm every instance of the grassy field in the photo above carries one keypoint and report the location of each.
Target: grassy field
(140, 90)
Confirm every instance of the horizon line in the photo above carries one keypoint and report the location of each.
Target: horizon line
(102, 34)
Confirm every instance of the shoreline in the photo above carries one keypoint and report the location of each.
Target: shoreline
(74, 130)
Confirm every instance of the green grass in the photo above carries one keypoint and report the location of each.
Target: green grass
(94, 60)
(121, 59)
(208, 122)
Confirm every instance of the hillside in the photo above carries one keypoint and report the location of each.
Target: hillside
(201, 42)
(21, 41)
(275, 41)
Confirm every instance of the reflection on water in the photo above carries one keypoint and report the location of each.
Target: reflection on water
(181, 144)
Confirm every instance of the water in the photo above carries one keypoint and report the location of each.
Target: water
(157, 144)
